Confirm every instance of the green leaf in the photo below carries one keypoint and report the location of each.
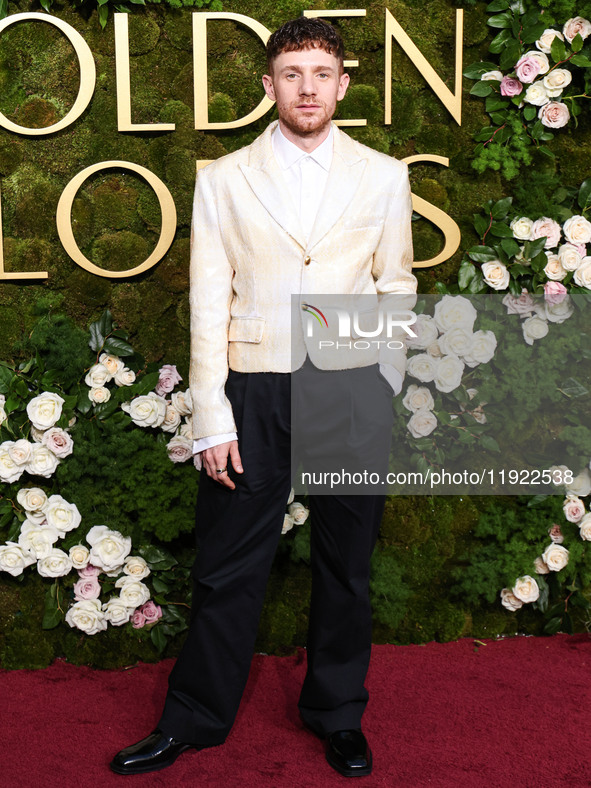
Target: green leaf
(539, 262)
(584, 199)
(501, 20)
(501, 230)
(84, 404)
(497, 5)
(531, 34)
(103, 15)
(510, 246)
(529, 112)
(499, 42)
(157, 557)
(52, 614)
(553, 625)
(580, 60)
(482, 89)
(510, 54)
(118, 347)
(494, 103)
(577, 43)
(572, 388)
(466, 273)
(532, 249)
(501, 208)
(482, 254)
(476, 70)
(489, 443)
(158, 638)
(481, 224)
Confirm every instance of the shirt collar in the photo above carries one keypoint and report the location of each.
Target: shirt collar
(287, 153)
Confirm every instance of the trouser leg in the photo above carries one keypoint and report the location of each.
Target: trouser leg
(237, 535)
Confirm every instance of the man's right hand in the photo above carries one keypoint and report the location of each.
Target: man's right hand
(216, 461)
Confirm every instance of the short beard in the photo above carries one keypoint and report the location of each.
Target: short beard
(302, 130)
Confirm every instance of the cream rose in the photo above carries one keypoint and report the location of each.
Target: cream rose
(585, 528)
(79, 556)
(179, 449)
(133, 592)
(99, 395)
(556, 81)
(569, 257)
(496, 275)
(576, 25)
(573, 508)
(448, 374)
(146, 411)
(547, 228)
(577, 230)
(136, 567)
(112, 363)
(536, 94)
(580, 485)
(423, 367)
(519, 305)
(544, 42)
(540, 566)
(55, 564)
(553, 268)
(172, 419)
(58, 441)
(116, 612)
(482, 348)
(43, 462)
(456, 341)
(298, 512)
(510, 601)
(541, 58)
(582, 275)
(97, 376)
(555, 556)
(62, 515)
(422, 423)
(290, 497)
(558, 312)
(87, 616)
(109, 549)
(9, 471)
(32, 499)
(492, 75)
(418, 398)
(554, 115)
(454, 311)
(43, 411)
(521, 227)
(182, 402)
(534, 328)
(37, 539)
(426, 330)
(20, 451)
(287, 524)
(186, 430)
(435, 350)
(124, 377)
(14, 559)
(526, 589)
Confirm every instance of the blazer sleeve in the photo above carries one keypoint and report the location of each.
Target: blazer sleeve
(210, 299)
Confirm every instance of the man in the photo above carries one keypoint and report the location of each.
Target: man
(303, 209)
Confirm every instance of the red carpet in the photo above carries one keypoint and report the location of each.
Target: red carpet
(508, 714)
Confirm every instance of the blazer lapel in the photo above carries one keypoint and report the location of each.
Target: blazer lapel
(266, 180)
(343, 181)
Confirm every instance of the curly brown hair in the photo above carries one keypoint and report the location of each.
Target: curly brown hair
(304, 33)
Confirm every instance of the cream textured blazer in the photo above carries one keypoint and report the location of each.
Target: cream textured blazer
(249, 255)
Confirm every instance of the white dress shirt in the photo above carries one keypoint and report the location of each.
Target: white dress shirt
(305, 175)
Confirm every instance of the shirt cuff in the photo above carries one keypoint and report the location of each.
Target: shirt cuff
(207, 443)
(393, 377)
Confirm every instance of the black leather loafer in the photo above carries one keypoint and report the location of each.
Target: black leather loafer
(348, 753)
(156, 751)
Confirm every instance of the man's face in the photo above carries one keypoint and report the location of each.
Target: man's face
(306, 86)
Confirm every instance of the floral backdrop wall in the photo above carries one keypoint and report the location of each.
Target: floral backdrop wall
(97, 495)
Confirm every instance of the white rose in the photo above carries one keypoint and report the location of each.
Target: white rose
(109, 548)
(62, 515)
(554, 115)
(582, 275)
(547, 228)
(418, 398)
(544, 42)
(99, 395)
(116, 611)
(422, 366)
(182, 402)
(580, 485)
(13, 558)
(558, 313)
(482, 348)
(124, 377)
(172, 419)
(97, 376)
(112, 363)
(584, 528)
(186, 430)
(291, 496)
(37, 539)
(298, 512)
(146, 411)
(510, 601)
(43, 411)
(521, 227)
(20, 451)
(556, 81)
(87, 616)
(136, 567)
(43, 462)
(55, 564)
(448, 374)
(490, 75)
(58, 441)
(454, 311)
(577, 230)
(79, 556)
(435, 350)
(573, 508)
(541, 58)
(133, 593)
(569, 257)
(496, 275)
(555, 557)
(287, 524)
(32, 499)
(179, 449)
(422, 423)
(456, 341)
(534, 328)
(9, 470)
(426, 332)
(553, 268)
(536, 94)
(576, 25)
(37, 435)
(526, 589)
(540, 566)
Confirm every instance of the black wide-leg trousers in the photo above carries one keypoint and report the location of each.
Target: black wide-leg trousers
(237, 533)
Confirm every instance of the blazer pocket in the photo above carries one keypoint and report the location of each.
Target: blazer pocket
(246, 329)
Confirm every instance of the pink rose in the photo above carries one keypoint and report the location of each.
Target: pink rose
(555, 534)
(87, 588)
(180, 449)
(573, 508)
(138, 619)
(58, 441)
(576, 25)
(151, 612)
(169, 377)
(527, 68)
(554, 292)
(547, 228)
(510, 86)
(88, 572)
(519, 305)
(554, 115)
